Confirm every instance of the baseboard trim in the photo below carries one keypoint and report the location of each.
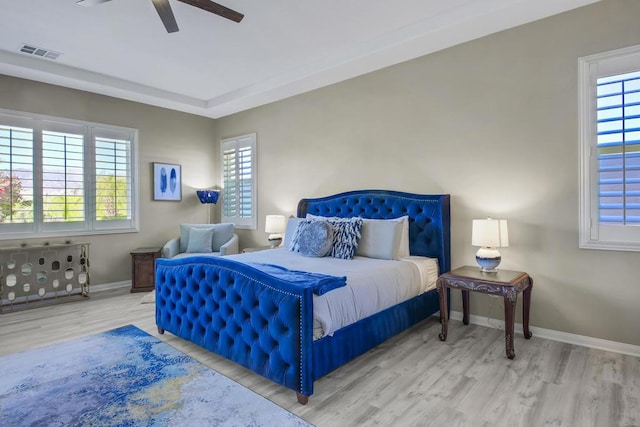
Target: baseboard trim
(550, 334)
(109, 286)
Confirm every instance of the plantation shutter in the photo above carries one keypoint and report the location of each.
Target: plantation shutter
(238, 180)
(63, 183)
(62, 177)
(113, 178)
(16, 175)
(618, 149)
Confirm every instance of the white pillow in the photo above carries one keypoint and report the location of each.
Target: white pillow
(380, 238)
(403, 249)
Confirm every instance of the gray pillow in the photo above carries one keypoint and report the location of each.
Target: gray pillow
(222, 233)
(185, 229)
(380, 238)
(200, 240)
(315, 238)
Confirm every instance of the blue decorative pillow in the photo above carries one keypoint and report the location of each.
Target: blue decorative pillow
(315, 238)
(346, 232)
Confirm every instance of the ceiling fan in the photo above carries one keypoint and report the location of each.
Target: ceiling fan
(166, 14)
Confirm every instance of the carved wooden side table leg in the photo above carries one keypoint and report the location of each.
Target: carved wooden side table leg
(465, 307)
(505, 283)
(510, 300)
(444, 315)
(526, 306)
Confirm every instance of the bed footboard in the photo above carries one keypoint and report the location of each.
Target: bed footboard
(234, 310)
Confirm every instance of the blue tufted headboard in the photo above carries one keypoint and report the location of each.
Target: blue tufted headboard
(429, 216)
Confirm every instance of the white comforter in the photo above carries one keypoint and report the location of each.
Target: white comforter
(372, 284)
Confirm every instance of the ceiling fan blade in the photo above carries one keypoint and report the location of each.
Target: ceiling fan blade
(166, 14)
(216, 8)
(90, 2)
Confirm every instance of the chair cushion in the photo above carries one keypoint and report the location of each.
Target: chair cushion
(222, 233)
(185, 231)
(200, 240)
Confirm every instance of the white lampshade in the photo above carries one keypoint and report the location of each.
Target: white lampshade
(492, 233)
(274, 224)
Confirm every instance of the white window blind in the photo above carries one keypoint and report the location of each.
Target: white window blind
(610, 150)
(238, 180)
(16, 175)
(61, 177)
(113, 179)
(618, 141)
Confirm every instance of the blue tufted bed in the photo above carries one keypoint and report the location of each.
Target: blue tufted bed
(264, 323)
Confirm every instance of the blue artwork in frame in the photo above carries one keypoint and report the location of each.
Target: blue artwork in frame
(167, 182)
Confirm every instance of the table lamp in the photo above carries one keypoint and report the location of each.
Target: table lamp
(275, 225)
(489, 234)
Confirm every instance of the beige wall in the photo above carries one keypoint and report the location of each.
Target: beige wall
(164, 136)
(493, 122)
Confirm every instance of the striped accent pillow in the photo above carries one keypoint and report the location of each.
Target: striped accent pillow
(346, 232)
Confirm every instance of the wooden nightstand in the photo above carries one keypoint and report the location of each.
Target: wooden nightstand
(503, 282)
(143, 264)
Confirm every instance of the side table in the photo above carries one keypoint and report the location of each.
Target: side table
(503, 282)
(143, 265)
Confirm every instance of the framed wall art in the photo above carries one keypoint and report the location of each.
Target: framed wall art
(167, 182)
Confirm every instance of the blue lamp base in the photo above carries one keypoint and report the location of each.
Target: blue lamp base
(488, 259)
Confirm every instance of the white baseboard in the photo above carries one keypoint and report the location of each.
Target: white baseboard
(550, 334)
(109, 286)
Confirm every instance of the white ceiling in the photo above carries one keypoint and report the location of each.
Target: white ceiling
(214, 67)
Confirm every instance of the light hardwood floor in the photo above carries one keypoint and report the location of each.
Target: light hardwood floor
(411, 380)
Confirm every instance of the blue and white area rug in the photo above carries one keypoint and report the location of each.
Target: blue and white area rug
(125, 377)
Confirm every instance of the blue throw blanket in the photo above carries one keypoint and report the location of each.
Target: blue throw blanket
(320, 283)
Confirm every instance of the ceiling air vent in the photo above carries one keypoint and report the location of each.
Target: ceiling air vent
(38, 51)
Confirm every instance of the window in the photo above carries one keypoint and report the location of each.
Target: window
(239, 181)
(61, 177)
(610, 150)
